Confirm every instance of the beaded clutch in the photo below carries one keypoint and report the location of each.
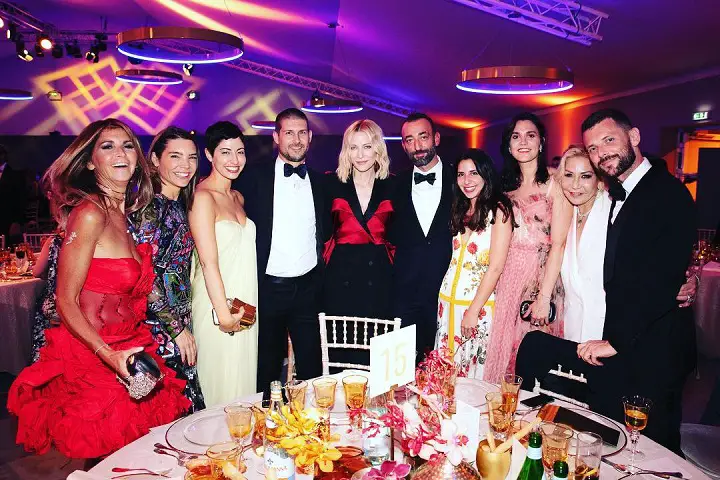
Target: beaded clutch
(144, 375)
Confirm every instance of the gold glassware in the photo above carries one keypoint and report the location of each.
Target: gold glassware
(555, 442)
(637, 409)
(258, 438)
(239, 419)
(225, 460)
(584, 456)
(499, 417)
(325, 392)
(295, 390)
(492, 465)
(510, 387)
(355, 387)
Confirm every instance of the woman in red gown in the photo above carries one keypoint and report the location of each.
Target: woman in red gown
(70, 398)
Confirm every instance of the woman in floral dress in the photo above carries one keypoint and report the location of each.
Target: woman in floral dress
(164, 224)
(46, 315)
(482, 222)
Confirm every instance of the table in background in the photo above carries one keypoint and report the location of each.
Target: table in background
(707, 311)
(139, 454)
(17, 310)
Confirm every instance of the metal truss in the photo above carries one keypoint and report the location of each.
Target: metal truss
(294, 79)
(31, 25)
(562, 18)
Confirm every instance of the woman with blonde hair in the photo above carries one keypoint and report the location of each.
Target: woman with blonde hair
(75, 397)
(358, 256)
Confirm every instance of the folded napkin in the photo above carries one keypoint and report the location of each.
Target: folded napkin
(82, 475)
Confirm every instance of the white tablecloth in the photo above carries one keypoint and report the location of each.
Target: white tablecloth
(139, 454)
(707, 311)
(17, 309)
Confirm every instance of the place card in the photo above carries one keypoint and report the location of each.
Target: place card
(392, 360)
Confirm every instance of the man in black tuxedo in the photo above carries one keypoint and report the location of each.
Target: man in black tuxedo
(421, 230)
(13, 195)
(285, 200)
(648, 344)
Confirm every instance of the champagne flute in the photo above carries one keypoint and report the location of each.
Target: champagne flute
(510, 387)
(498, 416)
(636, 418)
(239, 419)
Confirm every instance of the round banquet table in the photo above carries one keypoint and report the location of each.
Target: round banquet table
(139, 454)
(17, 310)
(707, 311)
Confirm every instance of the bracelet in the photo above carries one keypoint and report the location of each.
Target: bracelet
(100, 348)
(697, 279)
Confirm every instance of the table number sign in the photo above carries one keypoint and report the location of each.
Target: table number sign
(392, 360)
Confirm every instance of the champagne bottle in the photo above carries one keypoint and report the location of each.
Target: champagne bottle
(533, 468)
(276, 457)
(560, 470)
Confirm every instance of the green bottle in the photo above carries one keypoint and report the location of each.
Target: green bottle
(560, 470)
(533, 468)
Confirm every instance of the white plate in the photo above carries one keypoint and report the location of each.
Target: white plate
(473, 391)
(207, 430)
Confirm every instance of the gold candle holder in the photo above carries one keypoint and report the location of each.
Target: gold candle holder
(492, 465)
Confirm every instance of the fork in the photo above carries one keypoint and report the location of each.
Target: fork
(625, 469)
(159, 473)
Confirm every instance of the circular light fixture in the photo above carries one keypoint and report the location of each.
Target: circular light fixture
(192, 95)
(516, 80)
(320, 104)
(150, 77)
(13, 94)
(263, 125)
(151, 44)
(44, 42)
(392, 139)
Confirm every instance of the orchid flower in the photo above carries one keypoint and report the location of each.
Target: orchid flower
(388, 471)
(453, 445)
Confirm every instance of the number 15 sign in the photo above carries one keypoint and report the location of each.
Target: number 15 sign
(392, 360)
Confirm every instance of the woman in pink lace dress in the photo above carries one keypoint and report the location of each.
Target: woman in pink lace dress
(532, 268)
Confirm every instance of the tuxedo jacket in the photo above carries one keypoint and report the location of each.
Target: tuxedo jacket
(257, 185)
(648, 251)
(420, 260)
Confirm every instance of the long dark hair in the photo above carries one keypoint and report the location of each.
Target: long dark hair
(158, 146)
(511, 174)
(490, 199)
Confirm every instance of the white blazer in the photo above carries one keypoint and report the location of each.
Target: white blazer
(582, 274)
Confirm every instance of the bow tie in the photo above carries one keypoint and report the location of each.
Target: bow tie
(419, 178)
(616, 190)
(301, 170)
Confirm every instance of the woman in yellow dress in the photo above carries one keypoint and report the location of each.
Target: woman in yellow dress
(482, 224)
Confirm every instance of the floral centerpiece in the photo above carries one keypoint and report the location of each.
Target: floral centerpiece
(305, 435)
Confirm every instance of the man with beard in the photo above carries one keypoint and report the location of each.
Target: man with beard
(421, 230)
(285, 200)
(648, 344)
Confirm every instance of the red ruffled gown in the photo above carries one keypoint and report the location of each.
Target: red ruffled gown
(70, 398)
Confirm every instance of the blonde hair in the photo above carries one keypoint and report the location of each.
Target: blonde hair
(382, 161)
(577, 151)
(68, 181)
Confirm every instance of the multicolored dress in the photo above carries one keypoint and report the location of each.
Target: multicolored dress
(45, 312)
(164, 225)
(470, 261)
(521, 278)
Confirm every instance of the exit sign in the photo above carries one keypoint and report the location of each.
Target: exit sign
(700, 116)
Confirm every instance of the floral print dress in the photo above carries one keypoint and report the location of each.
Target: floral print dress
(165, 226)
(467, 267)
(46, 315)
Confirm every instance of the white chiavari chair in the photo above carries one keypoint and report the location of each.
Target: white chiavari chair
(36, 240)
(562, 375)
(350, 333)
(706, 234)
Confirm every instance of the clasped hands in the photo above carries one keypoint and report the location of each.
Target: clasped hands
(593, 350)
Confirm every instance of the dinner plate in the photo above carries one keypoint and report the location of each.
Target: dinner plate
(472, 391)
(175, 435)
(208, 430)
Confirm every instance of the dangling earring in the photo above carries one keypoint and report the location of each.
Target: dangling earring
(541, 148)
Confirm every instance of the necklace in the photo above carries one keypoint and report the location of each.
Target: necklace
(582, 216)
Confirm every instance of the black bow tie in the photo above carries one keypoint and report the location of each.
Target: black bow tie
(419, 178)
(616, 190)
(301, 170)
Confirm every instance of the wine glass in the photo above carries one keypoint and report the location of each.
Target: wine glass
(636, 418)
(555, 444)
(510, 387)
(239, 419)
(499, 416)
(585, 455)
(355, 387)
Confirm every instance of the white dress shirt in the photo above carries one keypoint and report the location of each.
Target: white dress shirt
(426, 197)
(630, 183)
(582, 274)
(293, 250)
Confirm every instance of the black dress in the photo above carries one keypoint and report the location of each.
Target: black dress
(358, 276)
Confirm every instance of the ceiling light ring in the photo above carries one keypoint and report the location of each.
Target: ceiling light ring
(15, 94)
(516, 80)
(321, 104)
(149, 77)
(136, 42)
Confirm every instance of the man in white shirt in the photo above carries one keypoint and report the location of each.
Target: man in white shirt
(284, 198)
(420, 230)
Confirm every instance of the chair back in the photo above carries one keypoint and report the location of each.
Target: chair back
(351, 333)
(568, 386)
(36, 240)
(706, 234)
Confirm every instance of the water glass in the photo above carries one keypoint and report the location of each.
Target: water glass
(325, 392)
(584, 456)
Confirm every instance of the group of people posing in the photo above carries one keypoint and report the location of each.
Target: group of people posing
(589, 258)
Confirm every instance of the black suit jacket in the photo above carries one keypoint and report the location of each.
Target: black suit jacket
(257, 185)
(420, 261)
(648, 250)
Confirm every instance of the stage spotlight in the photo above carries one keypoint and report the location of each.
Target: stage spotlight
(93, 55)
(101, 40)
(12, 33)
(73, 50)
(188, 69)
(44, 42)
(22, 52)
(39, 51)
(2, 23)
(57, 51)
(192, 132)
(192, 95)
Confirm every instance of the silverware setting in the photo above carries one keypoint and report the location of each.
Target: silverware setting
(624, 469)
(141, 471)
